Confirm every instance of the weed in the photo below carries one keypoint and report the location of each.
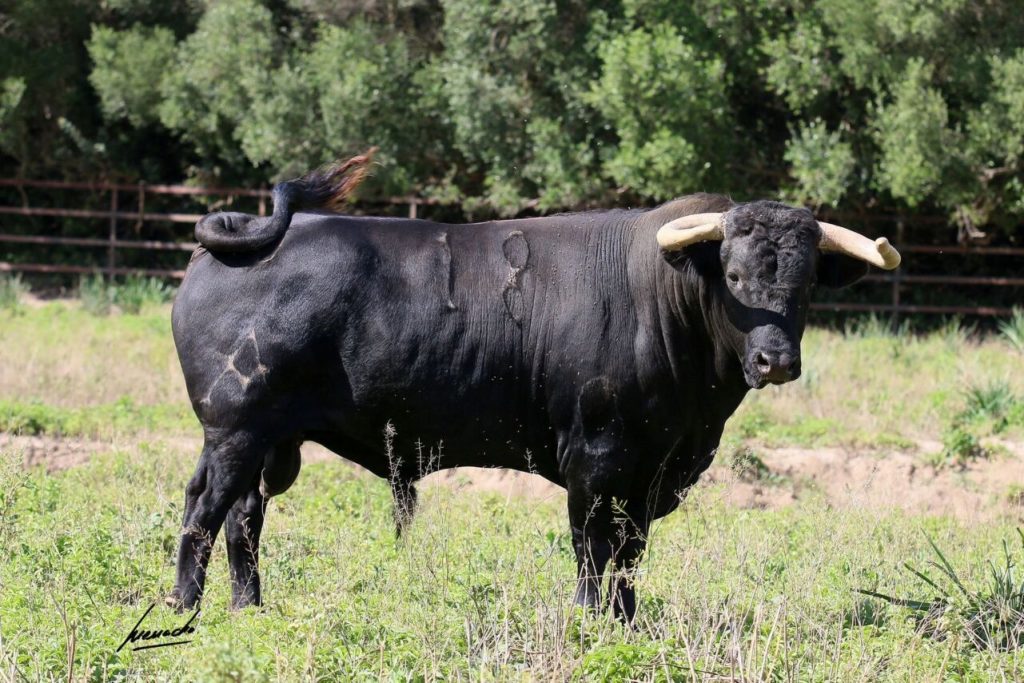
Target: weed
(989, 618)
(960, 447)
(12, 287)
(955, 333)
(874, 326)
(1015, 494)
(96, 295)
(137, 292)
(991, 401)
(993, 405)
(1012, 329)
(749, 467)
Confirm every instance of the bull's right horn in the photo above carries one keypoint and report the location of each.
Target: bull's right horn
(682, 232)
(878, 252)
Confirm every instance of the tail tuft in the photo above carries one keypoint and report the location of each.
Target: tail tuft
(332, 186)
(327, 188)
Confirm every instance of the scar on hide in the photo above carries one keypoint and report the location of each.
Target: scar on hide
(517, 253)
(244, 367)
(446, 262)
(599, 416)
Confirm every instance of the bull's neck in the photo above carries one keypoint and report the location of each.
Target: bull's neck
(686, 313)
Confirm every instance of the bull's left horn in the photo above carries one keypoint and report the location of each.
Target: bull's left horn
(878, 252)
(682, 232)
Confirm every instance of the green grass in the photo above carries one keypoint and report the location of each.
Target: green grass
(105, 421)
(479, 590)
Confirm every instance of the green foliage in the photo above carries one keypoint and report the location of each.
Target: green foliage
(991, 401)
(129, 67)
(502, 106)
(914, 137)
(137, 292)
(12, 288)
(96, 294)
(217, 75)
(821, 163)
(667, 103)
(1013, 329)
(960, 446)
(132, 295)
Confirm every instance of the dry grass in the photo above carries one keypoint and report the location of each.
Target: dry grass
(60, 355)
(865, 384)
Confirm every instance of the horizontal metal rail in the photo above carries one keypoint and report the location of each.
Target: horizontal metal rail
(898, 281)
(94, 242)
(94, 213)
(911, 308)
(85, 270)
(985, 280)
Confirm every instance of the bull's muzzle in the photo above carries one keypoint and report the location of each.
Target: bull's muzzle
(776, 368)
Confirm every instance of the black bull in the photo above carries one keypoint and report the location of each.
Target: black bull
(570, 346)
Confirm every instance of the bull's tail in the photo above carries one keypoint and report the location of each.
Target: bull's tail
(326, 188)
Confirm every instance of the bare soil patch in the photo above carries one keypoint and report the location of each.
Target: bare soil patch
(843, 478)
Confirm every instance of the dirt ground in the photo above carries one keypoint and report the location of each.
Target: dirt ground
(985, 489)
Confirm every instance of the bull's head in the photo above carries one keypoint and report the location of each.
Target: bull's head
(771, 256)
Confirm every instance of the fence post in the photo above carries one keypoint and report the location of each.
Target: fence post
(111, 248)
(896, 277)
(412, 207)
(263, 202)
(142, 207)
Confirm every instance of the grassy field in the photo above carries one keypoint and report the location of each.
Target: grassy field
(480, 588)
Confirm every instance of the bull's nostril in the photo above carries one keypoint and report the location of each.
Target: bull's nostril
(763, 363)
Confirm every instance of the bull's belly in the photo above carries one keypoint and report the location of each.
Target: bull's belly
(425, 436)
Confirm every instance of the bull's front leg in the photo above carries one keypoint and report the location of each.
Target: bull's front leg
(225, 472)
(598, 475)
(628, 549)
(590, 521)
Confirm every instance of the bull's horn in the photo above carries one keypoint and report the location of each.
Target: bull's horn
(878, 252)
(682, 232)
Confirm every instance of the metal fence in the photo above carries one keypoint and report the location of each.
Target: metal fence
(126, 206)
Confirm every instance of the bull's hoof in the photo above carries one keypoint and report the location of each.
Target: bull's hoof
(179, 604)
(246, 600)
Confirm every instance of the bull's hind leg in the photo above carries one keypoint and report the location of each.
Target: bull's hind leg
(226, 471)
(244, 523)
(242, 531)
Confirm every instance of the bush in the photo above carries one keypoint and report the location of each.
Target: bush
(136, 293)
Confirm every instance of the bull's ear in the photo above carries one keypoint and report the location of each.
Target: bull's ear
(839, 270)
(704, 257)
